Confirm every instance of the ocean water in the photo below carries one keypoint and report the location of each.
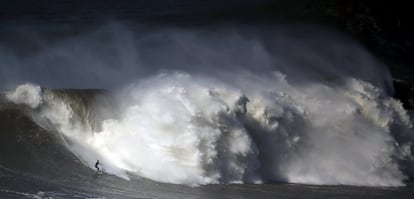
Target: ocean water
(214, 111)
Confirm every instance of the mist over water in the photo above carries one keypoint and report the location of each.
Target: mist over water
(224, 105)
(115, 54)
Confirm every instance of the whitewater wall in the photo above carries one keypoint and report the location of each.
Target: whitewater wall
(241, 107)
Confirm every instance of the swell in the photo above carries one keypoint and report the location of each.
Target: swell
(28, 148)
(31, 144)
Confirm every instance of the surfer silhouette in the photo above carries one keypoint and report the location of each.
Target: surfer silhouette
(97, 166)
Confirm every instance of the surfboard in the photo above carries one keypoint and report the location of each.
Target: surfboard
(99, 172)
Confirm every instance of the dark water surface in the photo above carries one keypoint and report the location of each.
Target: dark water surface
(20, 186)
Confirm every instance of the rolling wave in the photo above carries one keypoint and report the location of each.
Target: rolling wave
(186, 129)
(223, 106)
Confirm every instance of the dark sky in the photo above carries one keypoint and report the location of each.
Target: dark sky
(129, 8)
(207, 10)
(385, 26)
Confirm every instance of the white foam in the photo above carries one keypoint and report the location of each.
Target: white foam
(186, 129)
(191, 130)
(28, 94)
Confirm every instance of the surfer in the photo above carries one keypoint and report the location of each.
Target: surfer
(97, 166)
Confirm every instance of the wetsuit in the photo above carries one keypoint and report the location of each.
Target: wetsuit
(96, 165)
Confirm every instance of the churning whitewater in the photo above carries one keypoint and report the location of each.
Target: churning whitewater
(288, 110)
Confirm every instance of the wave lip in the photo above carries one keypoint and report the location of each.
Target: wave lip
(28, 94)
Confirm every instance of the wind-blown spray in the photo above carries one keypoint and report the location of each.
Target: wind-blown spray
(268, 118)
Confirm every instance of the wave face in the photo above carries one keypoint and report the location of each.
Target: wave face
(300, 116)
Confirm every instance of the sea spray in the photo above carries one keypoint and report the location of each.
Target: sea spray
(28, 94)
(272, 104)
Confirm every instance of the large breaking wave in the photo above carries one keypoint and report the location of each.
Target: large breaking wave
(286, 113)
